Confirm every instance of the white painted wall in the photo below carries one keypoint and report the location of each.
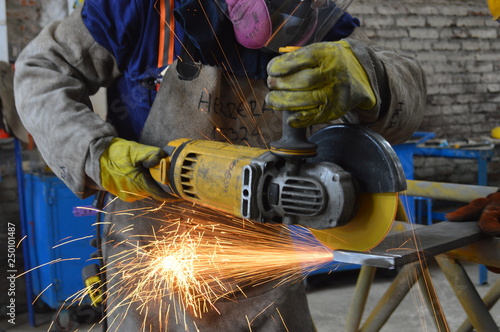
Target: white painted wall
(4, 45)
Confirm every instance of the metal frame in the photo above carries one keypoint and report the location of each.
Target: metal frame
(476, 308)
(482, 156)
(24, 231)
(435, 242)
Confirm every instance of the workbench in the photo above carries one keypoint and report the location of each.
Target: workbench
(408, 249)
(420, 209)
(409, 252)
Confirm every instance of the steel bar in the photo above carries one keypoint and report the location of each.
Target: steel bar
(420, 243)
(467, 294)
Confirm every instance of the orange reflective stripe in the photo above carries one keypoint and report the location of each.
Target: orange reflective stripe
(161, 39)
(167, 34)
(171, 39)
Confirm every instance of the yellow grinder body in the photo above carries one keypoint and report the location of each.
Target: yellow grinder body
(207, 172)
(257, 184)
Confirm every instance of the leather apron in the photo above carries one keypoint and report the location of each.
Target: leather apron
(206, 105)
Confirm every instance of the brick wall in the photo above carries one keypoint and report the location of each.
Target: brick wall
(458, 46)
(25, 19)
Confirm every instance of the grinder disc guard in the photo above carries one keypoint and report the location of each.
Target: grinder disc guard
(370, 159)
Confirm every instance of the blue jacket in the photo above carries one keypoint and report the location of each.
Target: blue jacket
(130, 31)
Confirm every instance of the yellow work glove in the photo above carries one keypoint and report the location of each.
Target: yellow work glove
(319, 83)
(125, 170)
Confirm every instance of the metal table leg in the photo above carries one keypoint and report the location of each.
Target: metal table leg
(396, 292)
(432, 300)
(467, 294)
(490, 299)
(365, 279)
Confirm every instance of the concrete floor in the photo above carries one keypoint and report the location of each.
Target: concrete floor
(330, 296)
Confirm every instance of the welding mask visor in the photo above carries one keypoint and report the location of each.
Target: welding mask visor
(273, 24)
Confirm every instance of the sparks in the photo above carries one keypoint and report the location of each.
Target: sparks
(203, 256)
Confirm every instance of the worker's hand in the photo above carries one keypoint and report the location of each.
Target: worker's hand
(320, 82)
(486, 210)
(125, 170)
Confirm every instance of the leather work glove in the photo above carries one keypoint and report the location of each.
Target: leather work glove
(124, 170)
(485, 209)
(319, 82)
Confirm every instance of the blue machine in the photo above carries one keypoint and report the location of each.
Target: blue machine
(54, 233)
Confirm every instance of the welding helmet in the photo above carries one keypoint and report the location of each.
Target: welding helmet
(494, 6)
(279, 23)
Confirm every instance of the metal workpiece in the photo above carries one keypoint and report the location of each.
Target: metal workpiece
(447, 191)
(420, 243)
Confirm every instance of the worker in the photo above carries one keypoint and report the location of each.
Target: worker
(484, 209)
(199, 69)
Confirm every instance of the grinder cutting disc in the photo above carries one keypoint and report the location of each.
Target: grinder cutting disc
(376, 168)
(370, 225)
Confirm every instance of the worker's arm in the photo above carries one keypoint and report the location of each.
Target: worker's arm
(55, 74)
(401, 89)
(353, 80)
